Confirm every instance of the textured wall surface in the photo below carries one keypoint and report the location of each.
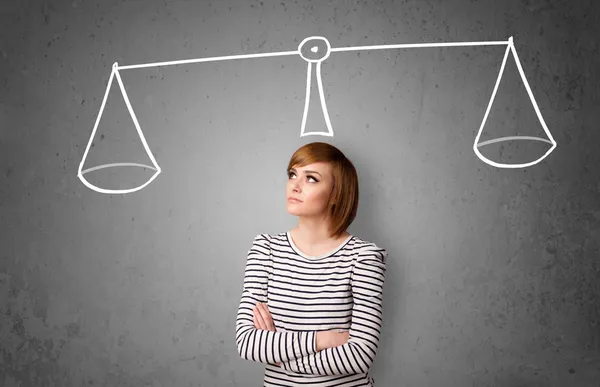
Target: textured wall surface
(493, 273)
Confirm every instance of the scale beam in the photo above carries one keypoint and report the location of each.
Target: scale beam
(310, 51)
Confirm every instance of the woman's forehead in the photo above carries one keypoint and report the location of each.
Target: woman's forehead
(317, 167)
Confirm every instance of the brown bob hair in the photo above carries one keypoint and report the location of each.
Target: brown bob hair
(343, 200)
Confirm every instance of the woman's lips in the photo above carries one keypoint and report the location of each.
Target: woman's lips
(294, 201)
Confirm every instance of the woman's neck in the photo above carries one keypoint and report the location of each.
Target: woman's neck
(317, 236)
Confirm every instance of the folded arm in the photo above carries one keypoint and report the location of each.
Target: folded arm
(261, 345)
(358, 354)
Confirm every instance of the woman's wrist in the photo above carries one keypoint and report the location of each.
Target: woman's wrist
(323, 340)
(319, 341)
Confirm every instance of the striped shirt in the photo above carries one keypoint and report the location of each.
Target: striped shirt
(340, 290)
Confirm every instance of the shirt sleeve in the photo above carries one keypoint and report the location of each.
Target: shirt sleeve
(358, 353)
(262, 345)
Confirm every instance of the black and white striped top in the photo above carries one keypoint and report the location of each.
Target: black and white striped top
(340, 290)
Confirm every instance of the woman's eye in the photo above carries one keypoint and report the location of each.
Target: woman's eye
(309, 177)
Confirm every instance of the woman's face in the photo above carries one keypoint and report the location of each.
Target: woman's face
(312, 184)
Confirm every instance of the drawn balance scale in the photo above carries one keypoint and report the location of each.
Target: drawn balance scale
(314, 55)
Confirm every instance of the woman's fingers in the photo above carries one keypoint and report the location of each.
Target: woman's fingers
(264, 317)
(259, 319)
(268, 319)
(256, 323)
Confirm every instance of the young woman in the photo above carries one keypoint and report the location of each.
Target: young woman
(312, 299)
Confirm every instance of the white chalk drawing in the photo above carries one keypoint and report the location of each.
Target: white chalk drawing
(306, 49)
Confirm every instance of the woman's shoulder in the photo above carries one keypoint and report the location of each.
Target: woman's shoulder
(364, 248)
(362, 242)
(271, 237)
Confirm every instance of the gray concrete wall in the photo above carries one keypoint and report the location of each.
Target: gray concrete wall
(493, 273)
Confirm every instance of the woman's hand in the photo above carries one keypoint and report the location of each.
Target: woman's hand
(331, 339)
(263, 319)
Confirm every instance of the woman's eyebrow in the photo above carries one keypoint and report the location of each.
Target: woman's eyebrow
(294, 169)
